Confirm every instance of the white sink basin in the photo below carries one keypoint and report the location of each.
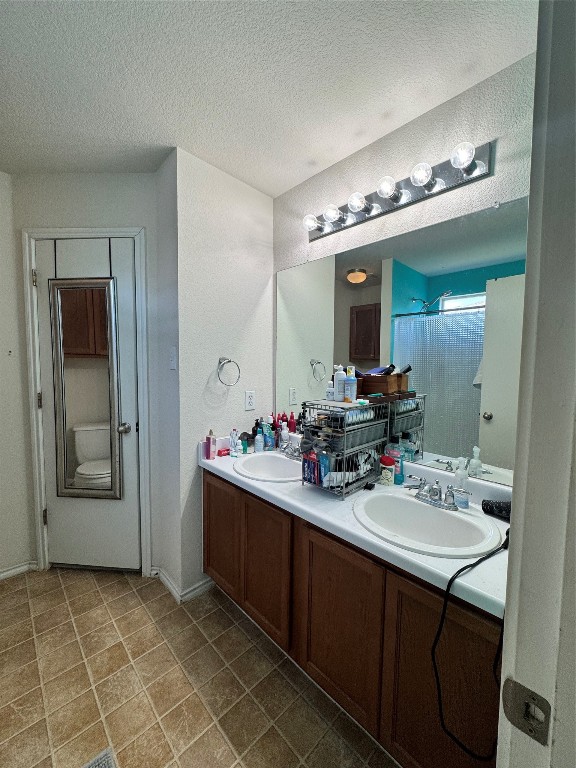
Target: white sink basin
(400, 519)
(271, 467)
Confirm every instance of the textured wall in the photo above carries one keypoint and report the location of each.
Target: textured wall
(16, 494)
(225, 308)
(499, 108)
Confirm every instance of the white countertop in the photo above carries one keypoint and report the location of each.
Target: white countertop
(484, 586)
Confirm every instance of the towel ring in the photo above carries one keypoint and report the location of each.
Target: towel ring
(314, 364)
(223, 361)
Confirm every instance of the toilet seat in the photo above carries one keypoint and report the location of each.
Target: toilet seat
(93, 474)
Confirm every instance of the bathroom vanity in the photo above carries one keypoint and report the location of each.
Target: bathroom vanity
(359, 615)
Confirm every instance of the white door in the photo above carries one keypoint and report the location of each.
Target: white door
(88, 527)
(501, 370)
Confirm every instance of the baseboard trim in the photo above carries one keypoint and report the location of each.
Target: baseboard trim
(16, 570)
(187, 594)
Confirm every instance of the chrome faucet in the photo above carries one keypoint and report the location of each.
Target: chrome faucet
(432, 494)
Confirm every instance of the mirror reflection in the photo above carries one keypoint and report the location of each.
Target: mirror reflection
(85, 377)
(447, 300)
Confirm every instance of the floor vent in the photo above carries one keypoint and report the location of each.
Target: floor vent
(103, 760)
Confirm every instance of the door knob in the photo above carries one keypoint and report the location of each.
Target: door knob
(124, 428)
(487, 416)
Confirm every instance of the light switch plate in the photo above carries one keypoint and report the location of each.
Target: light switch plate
(292, 396)
(249, 400)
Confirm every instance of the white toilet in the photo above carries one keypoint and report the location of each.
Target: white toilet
(92, 442)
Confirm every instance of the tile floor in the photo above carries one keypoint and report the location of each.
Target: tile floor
(96, 659)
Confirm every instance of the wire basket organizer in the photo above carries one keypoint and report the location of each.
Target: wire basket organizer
(408, 416)
(344, 442)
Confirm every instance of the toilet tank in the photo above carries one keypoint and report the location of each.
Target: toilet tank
(92, 441)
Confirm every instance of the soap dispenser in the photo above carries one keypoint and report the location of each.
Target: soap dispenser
(339, 377)
(259, 441)
(475, 468)
(461, 492)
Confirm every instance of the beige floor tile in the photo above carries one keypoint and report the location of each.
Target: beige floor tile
(16, 657)
(80, 587)
(17, 683)
(252, 630)
(244, 724)
(133, 621)
(202, 665)
(64, 658)
(137, 580)
(215, 623)
(67, 686)
(47, 601)
(251, 667)
(45, 581)
(185, 723)
(13, 599)
(26, 748)
(83, 748)
(55, 638)
(274, 694)
(200, 606)
(129, 720)
(51, 618)
(221, 692)
(107, 662)
(150, 749)
(381, 759)
(85, 603)
(152, 590)
(294, 675)
(301, 726)
(270, 750)
(103, 578)
(143, 641)
(73, 718)
(161, 606)
(154, 664)
(15, 635)
(14, 615)
(115, 589)
(270, 649)
(99, 639)
(231, 644)
(354, 736)
(322, 703)
(174, 622)
(209, 751)
(21, 713)
(187, 642)
(13, 583)
(169, 690)
(117, 689)
(91, 620)
(332, 750)
(68, 575)
(123, 604)
(46, 763)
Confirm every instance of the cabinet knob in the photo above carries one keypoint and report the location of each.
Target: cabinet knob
(487, 416)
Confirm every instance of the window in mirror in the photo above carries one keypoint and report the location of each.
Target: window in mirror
(467, 301)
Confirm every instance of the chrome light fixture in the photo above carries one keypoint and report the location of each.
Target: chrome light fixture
(462, 156)
(333, 214)
(357, 203)
(388, 189)
(356, 275)
(311, 223)
(422, 176)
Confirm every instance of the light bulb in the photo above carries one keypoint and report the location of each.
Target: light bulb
(387, 188)
(421, 175)
(462, 156)
(332, 214)
(357, 202)
(356, 275)
(311, 223)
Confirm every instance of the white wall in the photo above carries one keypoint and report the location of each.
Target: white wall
(225, 308)
(346, 296)
(17, 545)
(304, 330)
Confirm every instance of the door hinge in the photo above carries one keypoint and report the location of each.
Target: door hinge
(45, 516)
(137, 426)
(34, 278)
(527, 710)
(39, 399)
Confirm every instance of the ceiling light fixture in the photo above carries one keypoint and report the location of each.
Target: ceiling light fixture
(311, 223)
(388, 189)
(462, 156)
(356, 275)
(333, 214)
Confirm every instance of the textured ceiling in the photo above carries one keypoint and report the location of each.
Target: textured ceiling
(271, 92)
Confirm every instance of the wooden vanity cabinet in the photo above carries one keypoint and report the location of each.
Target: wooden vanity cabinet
(340, 602)
(248, 553)
(410, 724)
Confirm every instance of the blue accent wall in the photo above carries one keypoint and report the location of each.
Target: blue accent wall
(472, 280)
(406, 284)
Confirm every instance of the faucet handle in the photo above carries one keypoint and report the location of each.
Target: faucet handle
(449, 495)
(421, 482)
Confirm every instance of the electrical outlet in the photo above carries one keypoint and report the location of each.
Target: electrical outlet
(292, 396)
(249, 400)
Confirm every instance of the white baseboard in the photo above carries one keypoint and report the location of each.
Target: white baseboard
(16, 570)
(187, 594)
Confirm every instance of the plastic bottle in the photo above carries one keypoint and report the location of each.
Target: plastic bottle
(292, 422)
(259, 441)
(210, 445)
(408, 446)
(339, 377)
(268, 437)
(395, 451)
(350, 385)
(284, 436)
(234, 442)
(387, 465)
(461, 482)
(475, 467)
(330, 391)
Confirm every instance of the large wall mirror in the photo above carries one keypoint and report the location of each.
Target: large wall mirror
(84, 352)
(446, 299)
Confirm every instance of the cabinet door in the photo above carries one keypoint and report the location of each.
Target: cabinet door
(365, 332)
(100, 322)
(266, 563)
(222, 505)
(410, 727)
(77, 321)
(343, 598)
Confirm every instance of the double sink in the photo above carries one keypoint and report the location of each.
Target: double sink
(393, 514)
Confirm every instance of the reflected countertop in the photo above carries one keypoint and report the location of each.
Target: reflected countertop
(484, 587)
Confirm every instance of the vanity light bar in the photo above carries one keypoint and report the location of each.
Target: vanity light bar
(467, 163)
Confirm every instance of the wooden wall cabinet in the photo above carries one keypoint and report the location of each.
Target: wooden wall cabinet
(365, 332)
(223, 534)
(84, 322)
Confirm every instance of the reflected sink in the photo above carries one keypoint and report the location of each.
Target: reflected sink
(270, 467)
(399, 518)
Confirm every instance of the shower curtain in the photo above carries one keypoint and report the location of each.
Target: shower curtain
(444, 350)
